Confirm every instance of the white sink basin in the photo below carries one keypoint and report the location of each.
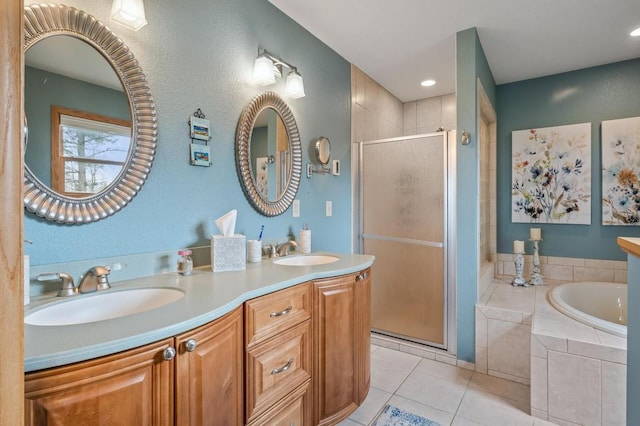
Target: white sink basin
(102, 306)
(306, 260)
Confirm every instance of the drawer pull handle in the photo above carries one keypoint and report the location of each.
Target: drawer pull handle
(283, 368)
(281, 313)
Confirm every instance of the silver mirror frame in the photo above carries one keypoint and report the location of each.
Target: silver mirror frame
(45, 20)
(242, 150)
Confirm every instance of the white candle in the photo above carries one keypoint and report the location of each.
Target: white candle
(518, 246)
(536, 233)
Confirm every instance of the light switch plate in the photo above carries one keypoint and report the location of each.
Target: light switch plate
(296, 208)
(329, 208)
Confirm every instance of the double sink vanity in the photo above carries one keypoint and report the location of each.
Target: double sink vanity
(285, 341)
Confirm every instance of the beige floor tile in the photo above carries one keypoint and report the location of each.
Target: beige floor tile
(489, 409)
(349, 422)
(371, 406)
(429, 390)
(444, 371)
(426, 411)
(461, 421)
(540, 422)
(500, 387)
(387, 377)
(401, 359)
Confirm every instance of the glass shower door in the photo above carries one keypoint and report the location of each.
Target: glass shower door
(403, 190)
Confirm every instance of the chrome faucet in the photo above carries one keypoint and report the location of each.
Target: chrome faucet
(283, 249)
(279, 250)
(95, 279)
(66, 289)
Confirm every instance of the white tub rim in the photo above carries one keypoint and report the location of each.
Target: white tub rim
(554, 296)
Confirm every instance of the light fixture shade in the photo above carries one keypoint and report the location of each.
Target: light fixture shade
(129, 13)
(294, 88)
(263, 71)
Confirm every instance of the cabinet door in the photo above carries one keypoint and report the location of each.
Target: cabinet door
(209, 389)
(130, 388)
(363, 327)
(335, 332)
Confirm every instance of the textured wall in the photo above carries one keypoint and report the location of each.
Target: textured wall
(586, 96)
(200, 54)
(471, 65)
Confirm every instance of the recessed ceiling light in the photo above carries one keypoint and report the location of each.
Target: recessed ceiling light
(635, 33)
(428, 83)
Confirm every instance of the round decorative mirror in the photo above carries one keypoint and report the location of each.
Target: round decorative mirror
(323, 150)
(92, 119)
(268, 154)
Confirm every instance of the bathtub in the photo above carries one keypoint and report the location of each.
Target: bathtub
(598, 304)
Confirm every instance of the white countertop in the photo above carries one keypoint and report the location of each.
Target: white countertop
(208, 296)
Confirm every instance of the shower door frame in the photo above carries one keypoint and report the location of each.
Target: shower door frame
(449, 243)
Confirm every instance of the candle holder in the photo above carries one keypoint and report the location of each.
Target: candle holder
(536, 277)
(518, 259)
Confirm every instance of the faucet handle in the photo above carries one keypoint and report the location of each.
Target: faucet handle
(101, 273)
(66, 289)
(273, 251)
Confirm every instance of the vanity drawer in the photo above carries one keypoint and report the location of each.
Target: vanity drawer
(293, 410)
(273, 313)
(276, 368)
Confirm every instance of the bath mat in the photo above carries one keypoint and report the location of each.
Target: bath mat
(393, 416)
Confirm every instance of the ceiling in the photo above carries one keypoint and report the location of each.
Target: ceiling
(73, 58)
(400, 43)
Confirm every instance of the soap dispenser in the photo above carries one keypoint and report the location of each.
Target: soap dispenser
(304, 244)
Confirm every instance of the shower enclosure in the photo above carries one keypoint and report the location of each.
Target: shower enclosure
(405, 195)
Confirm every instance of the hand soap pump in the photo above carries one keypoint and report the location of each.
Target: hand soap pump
(304, 244)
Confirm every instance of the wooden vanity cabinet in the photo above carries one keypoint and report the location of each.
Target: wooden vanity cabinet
(278, 358)
(132, 387)
(298, 356)
(201, 383)
(341, 340)
(209, 385)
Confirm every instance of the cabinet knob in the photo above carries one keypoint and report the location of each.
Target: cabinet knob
(169, 354)
(362, 276)
(191, 345)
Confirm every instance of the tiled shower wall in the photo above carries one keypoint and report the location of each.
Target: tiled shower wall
(377, 114)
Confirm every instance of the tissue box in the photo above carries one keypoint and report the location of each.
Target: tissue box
(228, 253)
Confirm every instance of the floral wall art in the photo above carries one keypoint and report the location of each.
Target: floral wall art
(620, 170)
(551, 175)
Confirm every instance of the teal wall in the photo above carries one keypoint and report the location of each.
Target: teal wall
(633, 341)
(42, 90)
(200, 54)
(586, 96)
(471, 65)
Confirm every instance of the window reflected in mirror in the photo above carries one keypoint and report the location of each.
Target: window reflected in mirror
(88, 151)
(270, 154)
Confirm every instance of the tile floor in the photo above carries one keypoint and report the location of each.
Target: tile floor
(441, 392)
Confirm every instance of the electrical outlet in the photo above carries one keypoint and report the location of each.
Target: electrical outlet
(296, 208)
(328, 208)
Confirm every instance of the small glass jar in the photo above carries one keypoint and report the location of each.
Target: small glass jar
(185, 263)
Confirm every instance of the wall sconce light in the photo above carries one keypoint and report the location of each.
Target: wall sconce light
(129, 13)
(267, 67)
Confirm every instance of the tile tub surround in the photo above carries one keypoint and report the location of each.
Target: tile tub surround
(565, 268)
(577, 374)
